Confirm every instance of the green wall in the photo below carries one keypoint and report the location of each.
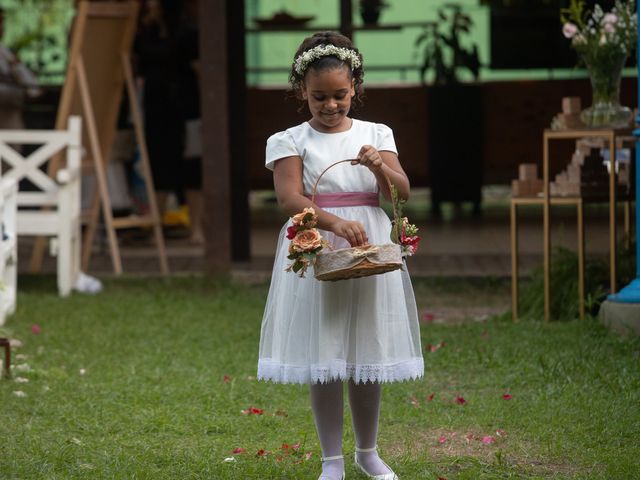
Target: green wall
(37, 30)
(276, 49)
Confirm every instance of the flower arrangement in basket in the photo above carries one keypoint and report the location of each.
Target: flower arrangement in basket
(307, 245)
(306, 241)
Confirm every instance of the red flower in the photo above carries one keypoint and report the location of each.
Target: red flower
(460, 400)
(226, 379)
(291, 232)
(238, 450)
(261, 453)
(507, 396)
(35, 329)
(253, 411)
(430, 397)
(427, 317)
(411, 241)
(285, 447)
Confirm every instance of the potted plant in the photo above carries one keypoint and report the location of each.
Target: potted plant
(454, 109)
(370, 10)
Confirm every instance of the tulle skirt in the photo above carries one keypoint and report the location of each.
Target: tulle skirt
(362, 329)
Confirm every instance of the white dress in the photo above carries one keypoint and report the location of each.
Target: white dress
(363, 329)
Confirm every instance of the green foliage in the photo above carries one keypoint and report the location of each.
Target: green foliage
(564, 283)
(130, 384)
(443, 52)
(37, 30)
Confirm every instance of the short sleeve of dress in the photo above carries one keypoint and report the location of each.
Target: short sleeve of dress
(385, 140)
(279, 145)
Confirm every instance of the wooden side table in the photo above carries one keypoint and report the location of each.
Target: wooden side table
(517, 201)
(610, 136)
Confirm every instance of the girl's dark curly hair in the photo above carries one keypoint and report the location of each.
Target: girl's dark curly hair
(329, 62)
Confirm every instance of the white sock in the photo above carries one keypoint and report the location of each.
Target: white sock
(327, 406)
(364, 400)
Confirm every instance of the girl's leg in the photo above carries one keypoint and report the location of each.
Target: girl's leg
(364, 400)
(327, 405)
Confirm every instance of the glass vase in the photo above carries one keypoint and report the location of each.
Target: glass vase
(605, 110)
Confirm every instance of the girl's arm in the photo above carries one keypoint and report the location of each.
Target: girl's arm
(287, 180)
(385, 162)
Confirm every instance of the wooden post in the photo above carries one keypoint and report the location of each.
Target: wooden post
(346, 18)
(546, 227)
(239, 168)
(612, 209)
(215, 144)
(514, 261)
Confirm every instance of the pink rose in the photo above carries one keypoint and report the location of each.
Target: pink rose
(610, 19)
(299, 218)
(569, 30)
(609, 27)
(306, 241)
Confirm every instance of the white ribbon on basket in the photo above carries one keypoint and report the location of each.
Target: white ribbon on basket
(365, 252)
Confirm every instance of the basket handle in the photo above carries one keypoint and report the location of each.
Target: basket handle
(396, 215)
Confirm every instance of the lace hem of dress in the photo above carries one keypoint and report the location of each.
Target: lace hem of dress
(270, 370)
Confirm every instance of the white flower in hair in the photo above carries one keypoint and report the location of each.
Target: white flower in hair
(345, 54)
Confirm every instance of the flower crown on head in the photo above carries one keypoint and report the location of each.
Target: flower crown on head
(345, 54)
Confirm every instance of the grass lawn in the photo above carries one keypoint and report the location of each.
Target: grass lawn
(148, 380)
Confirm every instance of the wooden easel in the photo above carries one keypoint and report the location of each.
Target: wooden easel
(98, 69)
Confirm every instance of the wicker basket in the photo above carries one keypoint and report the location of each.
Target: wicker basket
(356, 262)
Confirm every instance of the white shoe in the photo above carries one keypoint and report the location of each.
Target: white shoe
(327, 459)
(87, 284)
(383, 476)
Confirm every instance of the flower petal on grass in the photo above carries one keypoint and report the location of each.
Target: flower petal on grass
(19, 393)
(226, 379)
(261, 453)
(488, 440)
(296, 446)
(414, 401)
(430, 397)
(238, 450)
(252, 411)
(460, 400)
(21, 380)
(229, 460)
(507, 396)
(442, 439)
(428, 317)
(501, 433)
(35, 329)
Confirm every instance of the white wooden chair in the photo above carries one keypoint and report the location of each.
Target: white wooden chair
(53, 209)
(8, 247)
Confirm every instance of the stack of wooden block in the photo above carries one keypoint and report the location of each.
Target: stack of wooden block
(586, 175)
(528, 183)
(569, 118)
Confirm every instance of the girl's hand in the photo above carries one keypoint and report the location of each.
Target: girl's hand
(351, 231)
(370, 158)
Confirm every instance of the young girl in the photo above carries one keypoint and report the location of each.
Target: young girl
(361, 331)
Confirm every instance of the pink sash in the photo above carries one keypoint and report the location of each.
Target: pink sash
(347, 199)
